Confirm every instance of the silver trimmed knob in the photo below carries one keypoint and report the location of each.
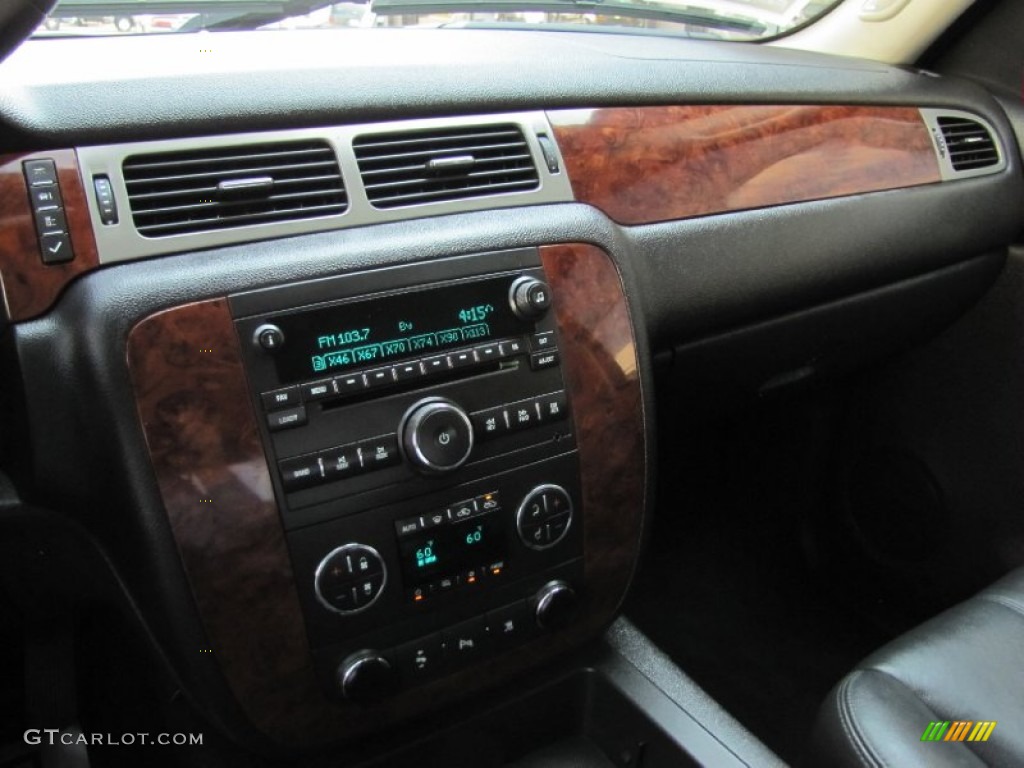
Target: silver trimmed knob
(437, 435)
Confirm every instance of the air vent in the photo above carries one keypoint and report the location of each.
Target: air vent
(174, 193)
(433, 166)
(969, 144)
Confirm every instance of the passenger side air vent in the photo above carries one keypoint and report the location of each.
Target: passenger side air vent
(433, 166)
(969, 144)
(175, 193)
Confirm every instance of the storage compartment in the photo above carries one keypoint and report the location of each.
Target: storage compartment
(606, 715)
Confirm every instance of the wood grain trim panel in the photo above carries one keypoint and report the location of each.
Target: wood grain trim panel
(645, 164)
(29, 286)
(202, 436)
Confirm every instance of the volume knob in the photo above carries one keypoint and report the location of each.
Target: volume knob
(530, 298)
(437, 435)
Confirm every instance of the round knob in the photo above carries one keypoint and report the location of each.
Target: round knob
(530, 298)
(350, 578)
(437, 435)
(269, 336)
(365, 677)
(556, 605)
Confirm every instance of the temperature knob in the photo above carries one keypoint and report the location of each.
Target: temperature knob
(437, 435)
(556, 605)
(530, 298)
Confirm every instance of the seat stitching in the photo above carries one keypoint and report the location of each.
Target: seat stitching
(848, 722)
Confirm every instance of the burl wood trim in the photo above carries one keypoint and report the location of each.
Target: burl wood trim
(213, 477)
(31, 287)
(646, 164)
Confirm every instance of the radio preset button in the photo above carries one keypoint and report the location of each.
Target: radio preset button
(286, 419)
(300, 472)
(318, 390)
(281, 398)
(461, 359)
(435, 365)
(487, 353)
(542, 360)
(350, 384)
(407, 371)
(380, 377)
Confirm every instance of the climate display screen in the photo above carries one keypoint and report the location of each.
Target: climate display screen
(383, 330)
(449, 549)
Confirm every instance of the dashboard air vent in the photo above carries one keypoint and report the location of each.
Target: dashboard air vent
(433, 166)
(969, 143)
(174, 193)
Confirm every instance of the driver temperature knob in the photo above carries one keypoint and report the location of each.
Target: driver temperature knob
(366, 677)
(437, 435)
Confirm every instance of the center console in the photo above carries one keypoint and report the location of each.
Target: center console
(424, 462)
(394, 487)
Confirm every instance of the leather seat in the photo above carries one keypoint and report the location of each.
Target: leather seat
(966, 664)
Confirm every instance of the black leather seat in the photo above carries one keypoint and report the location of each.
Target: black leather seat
(966, 664)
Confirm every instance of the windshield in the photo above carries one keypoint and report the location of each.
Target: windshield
(715, 19)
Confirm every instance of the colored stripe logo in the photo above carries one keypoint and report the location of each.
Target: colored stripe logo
(958, 730)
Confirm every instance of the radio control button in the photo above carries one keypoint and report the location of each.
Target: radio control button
(541, 360)
(340, 462)
(380, 377)
(318, 390)
(300, 472)
(286, 419)
(407, 371)
(437, 435)
(529, 297)
(379, 452)
(269, 336)
(552, 407)
(462, 359)
(281, 398)
(522, 416)
(490, 423)
(433, 366)
(487, 353)
(511, 347)
(349, 384)
(541, 342)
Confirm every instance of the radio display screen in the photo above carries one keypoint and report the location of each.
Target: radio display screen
(386, 329)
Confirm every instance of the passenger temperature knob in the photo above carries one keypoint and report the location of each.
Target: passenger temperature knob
(556, 605)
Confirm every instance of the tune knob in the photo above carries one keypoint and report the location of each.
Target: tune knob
(437, 435)
(556, 605)
(366, 677)
(530, 298)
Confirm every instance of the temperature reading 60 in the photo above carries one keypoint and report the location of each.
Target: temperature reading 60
(475, 314)
(474, 537)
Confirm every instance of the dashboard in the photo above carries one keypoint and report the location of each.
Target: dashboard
(350, 373)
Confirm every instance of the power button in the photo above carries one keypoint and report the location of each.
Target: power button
(269, 337)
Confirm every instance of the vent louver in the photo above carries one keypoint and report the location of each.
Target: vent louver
(969, 144)
(433, 166)
(174, 193)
